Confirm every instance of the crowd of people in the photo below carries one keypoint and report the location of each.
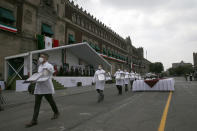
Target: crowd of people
(123, 78)
(75, 70)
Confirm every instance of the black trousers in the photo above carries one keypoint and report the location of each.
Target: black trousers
(101, 95)
(2, 101)
(131, 82)
(99, 91)
(38, 99)
(119, 87)
(190, 78)
(126, 87)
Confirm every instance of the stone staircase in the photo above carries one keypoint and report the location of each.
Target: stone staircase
(57, 85)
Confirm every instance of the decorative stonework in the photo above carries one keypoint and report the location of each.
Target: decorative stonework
(61, 29)
(27, 16)
(48, 2)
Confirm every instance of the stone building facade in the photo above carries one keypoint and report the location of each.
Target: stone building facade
(22, 20)
(182, 63)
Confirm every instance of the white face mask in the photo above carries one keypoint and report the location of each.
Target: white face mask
(41, 59)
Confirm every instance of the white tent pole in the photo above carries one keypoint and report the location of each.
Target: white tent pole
(5, 71)
(18, 70)
(30, 64)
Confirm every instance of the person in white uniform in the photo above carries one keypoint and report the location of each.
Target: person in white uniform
(119, 80)
(132, 78)
(99, 79)
(126, 80)
(44, 88)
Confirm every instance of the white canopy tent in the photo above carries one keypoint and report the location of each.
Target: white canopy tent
(80, 50)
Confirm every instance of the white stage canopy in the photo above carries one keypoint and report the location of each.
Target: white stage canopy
(81, 50)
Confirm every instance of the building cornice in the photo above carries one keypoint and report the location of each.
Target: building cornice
(94, 20)
(70, 22)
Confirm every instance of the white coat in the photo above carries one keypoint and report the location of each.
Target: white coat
(132, 76)
(126, 80)
(119, 81)
(99, 84)
(45, 87)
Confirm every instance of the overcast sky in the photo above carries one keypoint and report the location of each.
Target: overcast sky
(166, 29)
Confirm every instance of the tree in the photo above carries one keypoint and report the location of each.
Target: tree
(156, 67)
(181, 70)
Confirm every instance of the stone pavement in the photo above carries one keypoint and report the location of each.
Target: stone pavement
(14, 98)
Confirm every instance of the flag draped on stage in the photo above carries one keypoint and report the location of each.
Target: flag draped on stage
(55, 43)
(44, 42)
(40, 42)
(48, 42)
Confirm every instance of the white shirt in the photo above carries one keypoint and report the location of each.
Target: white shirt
(99, 84)
(126, 80)
(45, 87)
(119, 81)
(132, 76)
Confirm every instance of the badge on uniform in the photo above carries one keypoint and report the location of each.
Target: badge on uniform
(122, 76)
(101, 77)
(118, 76)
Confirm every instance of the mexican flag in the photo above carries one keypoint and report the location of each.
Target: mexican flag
(48, 42)
(45, 42)
(40, 42)
(8, 28)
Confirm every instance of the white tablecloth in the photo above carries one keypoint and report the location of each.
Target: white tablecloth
(161, 85)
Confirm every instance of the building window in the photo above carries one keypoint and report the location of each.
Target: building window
(86, 25)
(96, 30)
(82, 23)
(78, 20)
(46, 30)
(7, 20)
(97, 48)
(6, 16)
(104, 51)
(89, 27)
(101, 34)
(57, 9)
(71, 39)
(74, 19)
(93, 29)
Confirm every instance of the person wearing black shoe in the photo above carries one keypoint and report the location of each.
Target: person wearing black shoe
(132, 78)
(44, 88)
(99, 79)
(119, 75)
(126, 80)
